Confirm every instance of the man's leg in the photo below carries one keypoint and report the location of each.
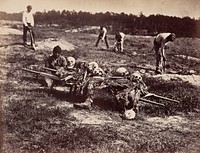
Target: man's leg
(158, 58)
(25, 29)
(106, 41)
(99, 37)
(162, 63)
(32, 37)
(115, 48)
(119, 47)
(159, 62)
(122, 46)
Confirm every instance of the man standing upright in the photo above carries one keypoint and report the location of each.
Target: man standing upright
(102, 36)
(159, 46)
(28, 23)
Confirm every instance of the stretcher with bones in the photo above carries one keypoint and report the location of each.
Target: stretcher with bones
(144, 98)
(78, 83)
(72, 79)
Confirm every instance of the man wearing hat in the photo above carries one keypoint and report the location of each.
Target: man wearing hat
(28, 24)
(159, 45)
(55, 61)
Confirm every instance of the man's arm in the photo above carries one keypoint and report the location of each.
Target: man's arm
(24, 19)
(163, 48)
(49, 62)
(122, 35)
(104, 33)
(64, 61)
(32, 20)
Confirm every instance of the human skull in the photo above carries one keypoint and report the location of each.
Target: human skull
(129, 114)
(136, 76)
(98, 72)
(92, 66)
(70, 62)
(122, 71)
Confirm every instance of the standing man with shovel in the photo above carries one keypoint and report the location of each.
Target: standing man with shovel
(102, 36)
(159, 46)
(28, 24)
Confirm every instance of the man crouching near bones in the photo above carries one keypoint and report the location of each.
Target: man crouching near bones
(56, 62)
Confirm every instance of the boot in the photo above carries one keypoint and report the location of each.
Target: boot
(34, 48)
(85, 105)
(158, 71)
(25, 43)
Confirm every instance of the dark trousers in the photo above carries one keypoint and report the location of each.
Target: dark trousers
(160, 62)
(106, 41)
(25, 29)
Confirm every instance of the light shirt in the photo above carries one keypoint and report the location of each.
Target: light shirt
(27, 17)
(122, 35)
(103, 32)
(162, 37)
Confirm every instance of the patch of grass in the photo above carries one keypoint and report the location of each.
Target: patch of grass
(35, 121)
(187, 94)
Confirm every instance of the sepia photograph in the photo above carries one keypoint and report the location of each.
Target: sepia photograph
(100, 76)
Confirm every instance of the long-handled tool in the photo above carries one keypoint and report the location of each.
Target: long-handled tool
(32, 38)
(161, 97)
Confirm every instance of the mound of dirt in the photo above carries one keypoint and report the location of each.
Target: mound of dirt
(83, 29)
(192, 79)
(189, 58)
(50, 43)
(9, 31)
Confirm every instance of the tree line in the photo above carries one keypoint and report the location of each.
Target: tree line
(128, 23)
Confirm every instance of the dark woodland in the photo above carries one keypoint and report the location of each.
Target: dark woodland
(128, 23)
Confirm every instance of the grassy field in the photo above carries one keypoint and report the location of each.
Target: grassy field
(37, 119)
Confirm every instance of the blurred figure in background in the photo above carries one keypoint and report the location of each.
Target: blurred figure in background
(119, 44)
(159, 46)
(102, 36)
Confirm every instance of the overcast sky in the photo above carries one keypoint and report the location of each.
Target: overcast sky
(179, 8)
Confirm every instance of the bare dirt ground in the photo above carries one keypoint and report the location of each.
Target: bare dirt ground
(37, 119)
